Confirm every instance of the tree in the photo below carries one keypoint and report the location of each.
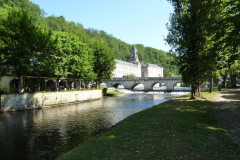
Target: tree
(191, 40)
(20, 43)
(81, 61)
(104, 62)
(59, 61)
(234, 72)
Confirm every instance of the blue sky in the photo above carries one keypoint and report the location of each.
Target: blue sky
(132, 21)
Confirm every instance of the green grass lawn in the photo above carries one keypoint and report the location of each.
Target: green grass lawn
(115, 92)
(177, 129)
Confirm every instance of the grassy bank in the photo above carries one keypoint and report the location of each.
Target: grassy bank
(115, 93)
(177, 129)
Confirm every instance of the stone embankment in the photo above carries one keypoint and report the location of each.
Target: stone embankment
(14, 102)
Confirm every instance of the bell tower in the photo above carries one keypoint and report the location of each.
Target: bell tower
(134, 55)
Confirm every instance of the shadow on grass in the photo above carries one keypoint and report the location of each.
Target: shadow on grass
(177, 129)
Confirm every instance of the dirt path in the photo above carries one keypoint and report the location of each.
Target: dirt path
(227, 111)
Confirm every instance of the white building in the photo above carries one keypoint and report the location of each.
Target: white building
(136, 68)
(124, 68)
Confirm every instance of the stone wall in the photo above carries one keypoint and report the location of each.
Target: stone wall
(13, 102)
(5, 82)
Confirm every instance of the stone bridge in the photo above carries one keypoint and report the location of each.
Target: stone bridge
(130, 83)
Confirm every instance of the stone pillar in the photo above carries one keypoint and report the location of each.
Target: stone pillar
(169, 86)
(147, 86)
(147, 89)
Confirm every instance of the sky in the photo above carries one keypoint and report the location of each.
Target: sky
(132, 21)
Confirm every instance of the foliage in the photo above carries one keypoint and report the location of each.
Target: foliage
(130, 76)
(3, 90)
(192, 39)
(104, 62)
(120, 48)
(81, 60)
(35, 45)
(21, 40)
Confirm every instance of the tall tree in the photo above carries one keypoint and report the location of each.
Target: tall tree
(190, 39)
(104, 62)
(81, 61)
(19, 42)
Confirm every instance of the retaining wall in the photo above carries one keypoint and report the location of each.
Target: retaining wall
(13, 102)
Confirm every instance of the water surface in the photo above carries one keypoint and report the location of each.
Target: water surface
(50, 132)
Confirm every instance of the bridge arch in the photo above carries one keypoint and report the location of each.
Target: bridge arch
(148, 83)
(14, 85)
(141, 85)
(179, 84)
(155, 83)
(51, 85)
(116, 85)
(73, 84)
(62, 85)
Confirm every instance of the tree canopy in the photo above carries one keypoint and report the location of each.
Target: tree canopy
(36, 45)
(204, 36)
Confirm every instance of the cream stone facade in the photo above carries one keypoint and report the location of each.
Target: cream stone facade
(139, 69)
(124, 68)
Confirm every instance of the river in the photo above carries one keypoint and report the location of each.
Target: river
(50, 132)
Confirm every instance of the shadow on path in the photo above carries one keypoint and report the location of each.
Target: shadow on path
(227, 111)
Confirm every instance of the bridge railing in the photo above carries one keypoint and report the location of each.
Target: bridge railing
(147, 78)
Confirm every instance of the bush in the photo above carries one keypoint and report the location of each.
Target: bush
(104, 91)
(130, 76)
(3, 90)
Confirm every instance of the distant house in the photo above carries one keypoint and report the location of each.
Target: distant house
(137, 68)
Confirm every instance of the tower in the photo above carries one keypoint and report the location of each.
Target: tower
(134, 55)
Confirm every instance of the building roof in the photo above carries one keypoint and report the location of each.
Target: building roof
(154, 65)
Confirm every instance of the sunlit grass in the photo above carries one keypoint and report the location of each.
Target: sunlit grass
(177, 129)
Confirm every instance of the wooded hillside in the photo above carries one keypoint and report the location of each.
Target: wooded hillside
(120, 48)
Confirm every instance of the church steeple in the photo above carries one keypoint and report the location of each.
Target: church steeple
(134, 55)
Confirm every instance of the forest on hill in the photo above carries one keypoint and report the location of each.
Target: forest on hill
(120, 48)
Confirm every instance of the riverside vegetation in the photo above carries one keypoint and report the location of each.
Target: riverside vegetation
(32, 44)
(177, 129)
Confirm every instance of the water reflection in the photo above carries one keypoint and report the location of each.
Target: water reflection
(50, 132)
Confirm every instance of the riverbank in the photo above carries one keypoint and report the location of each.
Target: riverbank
(29, 101)
(115, 94)
(177, 129)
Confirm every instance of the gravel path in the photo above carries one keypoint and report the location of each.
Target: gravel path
(227, 111)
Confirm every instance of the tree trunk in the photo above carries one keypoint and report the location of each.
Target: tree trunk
(192, 91)
(57, 84)
(211, 86)
(19, 82)
(39, 83)
(233, 81)
(97, 84)
(68, 84)
(224, 81)
(199, 93)
(80, 83)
